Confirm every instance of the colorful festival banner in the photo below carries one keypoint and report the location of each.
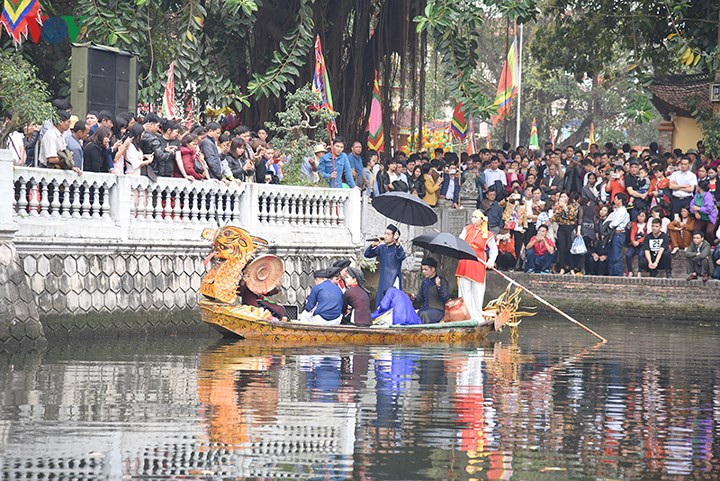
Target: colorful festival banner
(534, 143)
(168, 102)
(459, 126)
(507, 87)
(18, 15)
(321, 85)
(592, 132)
(488, 142)
(552, 137)
(471, 146)
(376, 137)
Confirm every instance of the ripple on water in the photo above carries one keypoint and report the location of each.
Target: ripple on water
(645, 406)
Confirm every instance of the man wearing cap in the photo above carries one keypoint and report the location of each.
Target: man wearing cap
(310, 165)
(325, 302)
(433, 294)
(391, 256)
(356, 300)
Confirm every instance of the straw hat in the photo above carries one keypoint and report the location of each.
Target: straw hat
(320, 148)
(264, 274)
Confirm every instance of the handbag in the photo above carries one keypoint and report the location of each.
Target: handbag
(65, 156)
(456, 310)
(578, 246)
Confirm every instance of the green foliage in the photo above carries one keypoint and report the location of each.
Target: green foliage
(710, 125)
(299, 128)
(640, 109)
(583, 37)
(288, 58)
(160, 31)
(22, 93)
(455, 27)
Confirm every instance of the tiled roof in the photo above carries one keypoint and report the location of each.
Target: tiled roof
(675, 93)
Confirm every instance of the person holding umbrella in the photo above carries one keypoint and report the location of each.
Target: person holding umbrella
(433, 294)
(471, 274)
(391, 256)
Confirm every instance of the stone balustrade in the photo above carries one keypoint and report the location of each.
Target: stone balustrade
(61, 205)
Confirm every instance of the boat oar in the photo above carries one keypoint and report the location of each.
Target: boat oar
(546, 303)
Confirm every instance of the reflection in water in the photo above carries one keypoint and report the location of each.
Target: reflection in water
(647, 406)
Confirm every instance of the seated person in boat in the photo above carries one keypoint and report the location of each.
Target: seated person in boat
(325, 302)
(433, 294)
(356, 300)
(395, 309)
(250, 298)
(343, 265)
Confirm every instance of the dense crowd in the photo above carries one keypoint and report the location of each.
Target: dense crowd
(612, 211)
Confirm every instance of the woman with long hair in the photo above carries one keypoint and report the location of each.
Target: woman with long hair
(131, 153)
(680, 230)
(94, 159)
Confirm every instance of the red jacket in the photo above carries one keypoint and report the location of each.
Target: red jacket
(188, 160)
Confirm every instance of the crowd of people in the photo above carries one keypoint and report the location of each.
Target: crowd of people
(611, 211)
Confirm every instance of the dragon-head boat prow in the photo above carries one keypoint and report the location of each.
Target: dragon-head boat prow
(233, 247)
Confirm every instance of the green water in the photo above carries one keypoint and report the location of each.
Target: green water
(644, 406)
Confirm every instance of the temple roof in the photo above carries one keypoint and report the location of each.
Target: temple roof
(676, 93)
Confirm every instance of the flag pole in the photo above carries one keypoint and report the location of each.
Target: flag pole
(519, 83)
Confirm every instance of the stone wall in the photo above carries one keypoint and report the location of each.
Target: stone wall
(133, 290)
(587, 297)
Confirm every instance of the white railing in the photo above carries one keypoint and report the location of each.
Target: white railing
(43, 204)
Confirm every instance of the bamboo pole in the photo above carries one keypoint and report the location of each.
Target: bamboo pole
(546, 303)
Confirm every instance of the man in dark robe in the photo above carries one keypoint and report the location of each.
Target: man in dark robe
(390, 255)
(433, 294)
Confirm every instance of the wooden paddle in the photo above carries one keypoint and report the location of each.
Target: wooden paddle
(546, 303)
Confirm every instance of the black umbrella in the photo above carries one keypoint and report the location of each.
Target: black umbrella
(405, 208)
(446, 244)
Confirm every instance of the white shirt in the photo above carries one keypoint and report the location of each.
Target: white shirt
(133, 160)
(618, 218)
(52, 142)
(16, 144)
(493, 175)
(451, 189)
(683, 178)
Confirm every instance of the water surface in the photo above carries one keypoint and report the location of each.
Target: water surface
(554, 406)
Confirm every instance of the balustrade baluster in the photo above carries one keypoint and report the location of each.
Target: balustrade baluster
(282, 208)
(272, 208)
(55, 203)
(223, 207)
(85, 189)
(44, 203)
(157, 203)
(341, 210)
(261, 208)
(105, 201)
(166, 204)
(194, 211)
(326, 210)
(176, 205)
(66, 193)
(22, 200)
(34, 195)
(203, 209)
(212, 206)
(75, 190)
(301, 210)
(185, 210)
(96, 201)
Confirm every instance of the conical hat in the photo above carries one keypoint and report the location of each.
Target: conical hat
(264, 274)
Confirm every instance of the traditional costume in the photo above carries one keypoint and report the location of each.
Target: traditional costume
(471, 274)
(325, 302)
(356, 301)
(391, 258)
(395, 309)
(430, 299)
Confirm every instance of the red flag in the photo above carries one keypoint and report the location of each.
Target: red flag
(168, 102)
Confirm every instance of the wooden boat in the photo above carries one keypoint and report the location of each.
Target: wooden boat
(232, 320)
(233, 247)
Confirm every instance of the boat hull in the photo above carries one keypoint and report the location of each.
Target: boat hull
(227, 320)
